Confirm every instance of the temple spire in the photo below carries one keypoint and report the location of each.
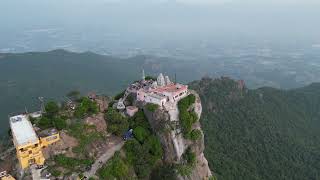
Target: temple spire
(143, 75)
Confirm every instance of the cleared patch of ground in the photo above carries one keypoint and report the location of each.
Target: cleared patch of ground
(64, 146)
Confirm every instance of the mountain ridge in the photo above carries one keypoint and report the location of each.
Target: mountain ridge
(263, 133)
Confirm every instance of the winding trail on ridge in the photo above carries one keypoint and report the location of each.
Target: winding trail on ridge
(104, 158)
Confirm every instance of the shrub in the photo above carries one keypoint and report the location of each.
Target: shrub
(45, 122)
(140, 134)
(195, 134)
(143, 157)
(189, 157)
(80, 111)
(132, 148)
(189, 161)
(52, 108)
(116, 168)
(85, 134)
(145, 149)
(117, 124)
(152, 107)
(139, 119)
(154, 147)
(71, 163)
(56, 172)
(186, 102)
(86, 107)
(187, 119)
(59, 123)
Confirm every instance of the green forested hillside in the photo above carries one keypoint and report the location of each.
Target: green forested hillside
(26, 76)
(260, 134)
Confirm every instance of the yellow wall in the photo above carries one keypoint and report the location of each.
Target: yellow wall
(46, 141)
(32, 153)
(8, 177)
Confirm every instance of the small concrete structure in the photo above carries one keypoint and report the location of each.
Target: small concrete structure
(36, 114)
(154, 98)
(132, 110)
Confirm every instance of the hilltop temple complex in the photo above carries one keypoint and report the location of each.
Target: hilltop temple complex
(160, 91)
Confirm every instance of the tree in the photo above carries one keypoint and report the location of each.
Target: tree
(188, 163)
(80, 111)
(86, 107)
(145, 149)
(154, 147)
(263, 133)
(152, 107)
(139, 119)
(59, 123)
(189, 157)
(140, 134)
(45, 122)
(117, 124)
(116, 168)
(187, 118)
(52, 108)
(195, 134)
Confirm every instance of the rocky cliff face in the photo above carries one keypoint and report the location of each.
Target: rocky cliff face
(165, 122)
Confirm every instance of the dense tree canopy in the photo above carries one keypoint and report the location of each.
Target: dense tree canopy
(260, 134)
(51, 118)
(52, 108)
(187, 117)
(116, 168)
(117, 124)
(145, 149)
(85, 107)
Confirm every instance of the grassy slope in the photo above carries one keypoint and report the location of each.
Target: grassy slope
(261, 134)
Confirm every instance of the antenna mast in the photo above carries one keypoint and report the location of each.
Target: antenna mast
(143, 75)
(42, 108)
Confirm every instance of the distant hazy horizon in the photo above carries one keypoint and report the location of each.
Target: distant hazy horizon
(122, 26)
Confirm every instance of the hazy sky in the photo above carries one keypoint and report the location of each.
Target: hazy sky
(261, 20)
(206, 2)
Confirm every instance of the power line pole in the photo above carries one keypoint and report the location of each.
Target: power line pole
(42, 108)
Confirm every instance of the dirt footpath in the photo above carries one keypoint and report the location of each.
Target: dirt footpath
(103, 159)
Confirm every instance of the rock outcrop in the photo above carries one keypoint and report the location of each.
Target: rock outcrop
(165, 122)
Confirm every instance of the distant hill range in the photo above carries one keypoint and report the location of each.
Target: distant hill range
(26, 76)
(264, 133)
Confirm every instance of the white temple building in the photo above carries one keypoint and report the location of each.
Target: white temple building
(162, 92)
(158, 92)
